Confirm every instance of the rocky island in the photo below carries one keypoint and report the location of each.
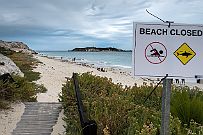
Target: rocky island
(95, 49)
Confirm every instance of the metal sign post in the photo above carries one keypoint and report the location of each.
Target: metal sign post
(165, 116)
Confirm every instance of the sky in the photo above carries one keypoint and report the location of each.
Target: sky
(67, 24)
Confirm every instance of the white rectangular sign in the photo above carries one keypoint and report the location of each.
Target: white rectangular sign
(176, 50)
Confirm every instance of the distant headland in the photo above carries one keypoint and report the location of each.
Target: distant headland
(16, 46)
(95, 49)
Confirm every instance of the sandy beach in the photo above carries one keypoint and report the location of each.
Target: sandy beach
(54, 73)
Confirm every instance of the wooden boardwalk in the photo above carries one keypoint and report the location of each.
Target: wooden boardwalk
(38, 118)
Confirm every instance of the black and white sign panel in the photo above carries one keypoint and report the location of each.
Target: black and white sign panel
(176, 50)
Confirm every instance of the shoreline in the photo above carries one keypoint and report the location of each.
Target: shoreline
(118, 75)
(55, 71)
(123, 69)
(102, 59)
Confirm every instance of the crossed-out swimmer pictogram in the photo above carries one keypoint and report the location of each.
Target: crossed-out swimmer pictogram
(155, 53)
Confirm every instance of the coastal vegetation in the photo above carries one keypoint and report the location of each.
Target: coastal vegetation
(120, 110)
(22, 88)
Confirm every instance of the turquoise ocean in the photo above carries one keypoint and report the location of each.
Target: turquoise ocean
(98, 59)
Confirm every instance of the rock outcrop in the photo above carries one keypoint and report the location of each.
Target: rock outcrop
(8, 66)
(95, 49)
(16, 46)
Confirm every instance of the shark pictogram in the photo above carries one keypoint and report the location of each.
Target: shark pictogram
(186, 54)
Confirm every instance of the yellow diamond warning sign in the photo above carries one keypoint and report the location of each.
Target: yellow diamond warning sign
(184, 53)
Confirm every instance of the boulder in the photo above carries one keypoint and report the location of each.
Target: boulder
(8, 66)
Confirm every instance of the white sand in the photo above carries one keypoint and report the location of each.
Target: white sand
(53, 73)
(9, 118)
(59, 129)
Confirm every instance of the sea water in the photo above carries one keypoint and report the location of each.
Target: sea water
(98, 59)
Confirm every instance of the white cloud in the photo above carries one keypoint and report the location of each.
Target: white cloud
(86, 21)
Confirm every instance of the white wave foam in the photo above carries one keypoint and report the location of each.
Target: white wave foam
(122, 66)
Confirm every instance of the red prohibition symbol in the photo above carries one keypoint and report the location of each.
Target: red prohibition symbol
(155, 53)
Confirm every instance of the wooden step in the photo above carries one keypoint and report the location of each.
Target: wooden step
(38, 118)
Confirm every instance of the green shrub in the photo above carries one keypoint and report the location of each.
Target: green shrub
(118, 110)
(26, 63)
(39, 88)
(72, 119)
(187, 105)
(23, 89)
(32, 76)
(4, 104)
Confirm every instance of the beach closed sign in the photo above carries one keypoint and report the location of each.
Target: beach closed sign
(160, 49)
